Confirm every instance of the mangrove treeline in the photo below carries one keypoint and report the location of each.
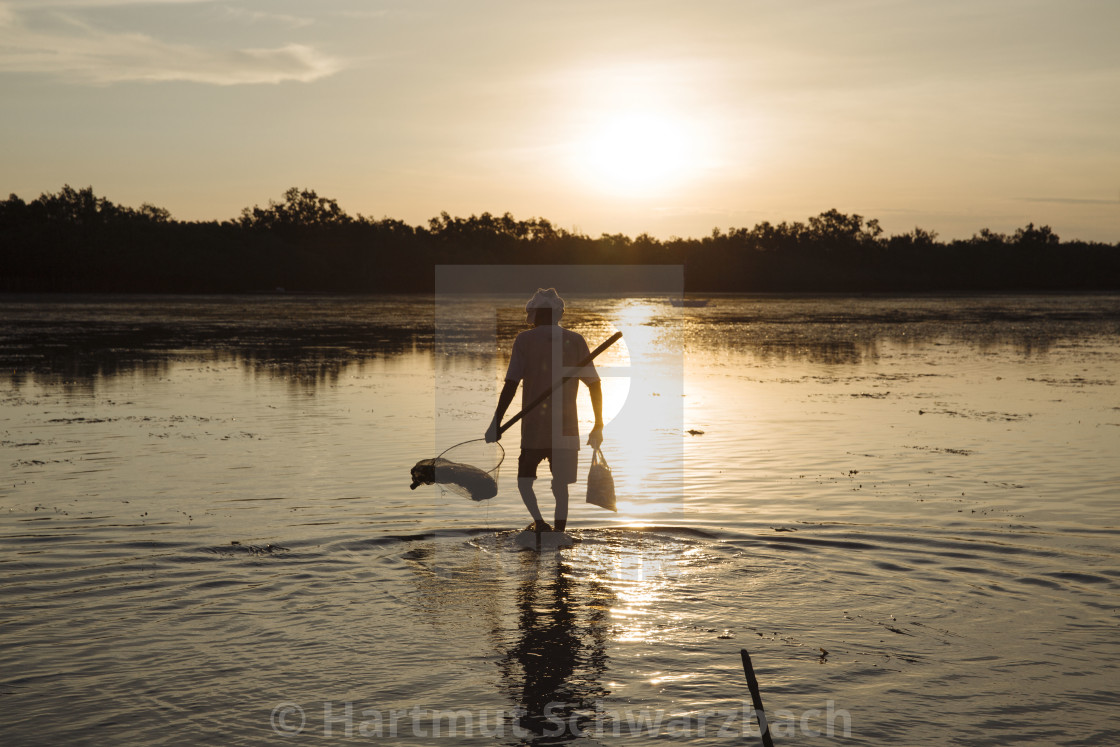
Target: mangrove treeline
(74, 241)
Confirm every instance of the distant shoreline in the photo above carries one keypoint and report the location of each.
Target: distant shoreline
(76, 242)
(33, 296)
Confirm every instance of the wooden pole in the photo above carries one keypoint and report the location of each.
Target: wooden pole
(756, 698)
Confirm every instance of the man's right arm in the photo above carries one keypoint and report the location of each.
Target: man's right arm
(504, 400)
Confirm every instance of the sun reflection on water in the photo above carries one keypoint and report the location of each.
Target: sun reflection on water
(642, 401)
(640, 572)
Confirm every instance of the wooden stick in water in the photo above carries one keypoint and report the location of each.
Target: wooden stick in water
(756, 698)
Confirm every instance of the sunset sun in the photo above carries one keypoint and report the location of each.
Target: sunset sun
(636, 154)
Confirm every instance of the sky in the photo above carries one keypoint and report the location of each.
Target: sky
(668, 118)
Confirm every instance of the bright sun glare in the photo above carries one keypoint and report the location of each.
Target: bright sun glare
(637, 154)
(642, 407)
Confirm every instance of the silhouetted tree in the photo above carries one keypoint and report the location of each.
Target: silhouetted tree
(1036, 236)
(301, 208)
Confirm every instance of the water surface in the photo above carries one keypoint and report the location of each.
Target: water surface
(903, 507)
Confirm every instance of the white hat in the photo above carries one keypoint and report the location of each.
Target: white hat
(546, 298)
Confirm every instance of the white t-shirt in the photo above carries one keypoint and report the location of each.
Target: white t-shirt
(537, 354)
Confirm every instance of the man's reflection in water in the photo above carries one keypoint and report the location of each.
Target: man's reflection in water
(554, 669)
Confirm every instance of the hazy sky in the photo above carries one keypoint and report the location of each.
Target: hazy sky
(665, 117)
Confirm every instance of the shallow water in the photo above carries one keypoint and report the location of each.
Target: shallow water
(905, 509)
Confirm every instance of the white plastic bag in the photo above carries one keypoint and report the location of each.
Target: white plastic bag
(600, 482)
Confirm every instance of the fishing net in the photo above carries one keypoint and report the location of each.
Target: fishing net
(469, 469)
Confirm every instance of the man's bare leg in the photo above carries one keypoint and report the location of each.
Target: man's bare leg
(560, 491)
(525, 487)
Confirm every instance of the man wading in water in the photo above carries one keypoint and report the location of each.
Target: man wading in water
(549, 431)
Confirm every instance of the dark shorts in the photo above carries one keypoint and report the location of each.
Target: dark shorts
(561, 462)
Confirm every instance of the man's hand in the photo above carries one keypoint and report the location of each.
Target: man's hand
(595, 438)
(492, 433)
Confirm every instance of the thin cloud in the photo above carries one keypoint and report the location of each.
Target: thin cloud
(42, 4)
(1071, 200)
(255, 16)
(84, 53)
(365, 14)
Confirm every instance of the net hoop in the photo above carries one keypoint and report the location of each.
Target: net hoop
(501, 452)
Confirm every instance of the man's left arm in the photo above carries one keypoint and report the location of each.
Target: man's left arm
(595, 438)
